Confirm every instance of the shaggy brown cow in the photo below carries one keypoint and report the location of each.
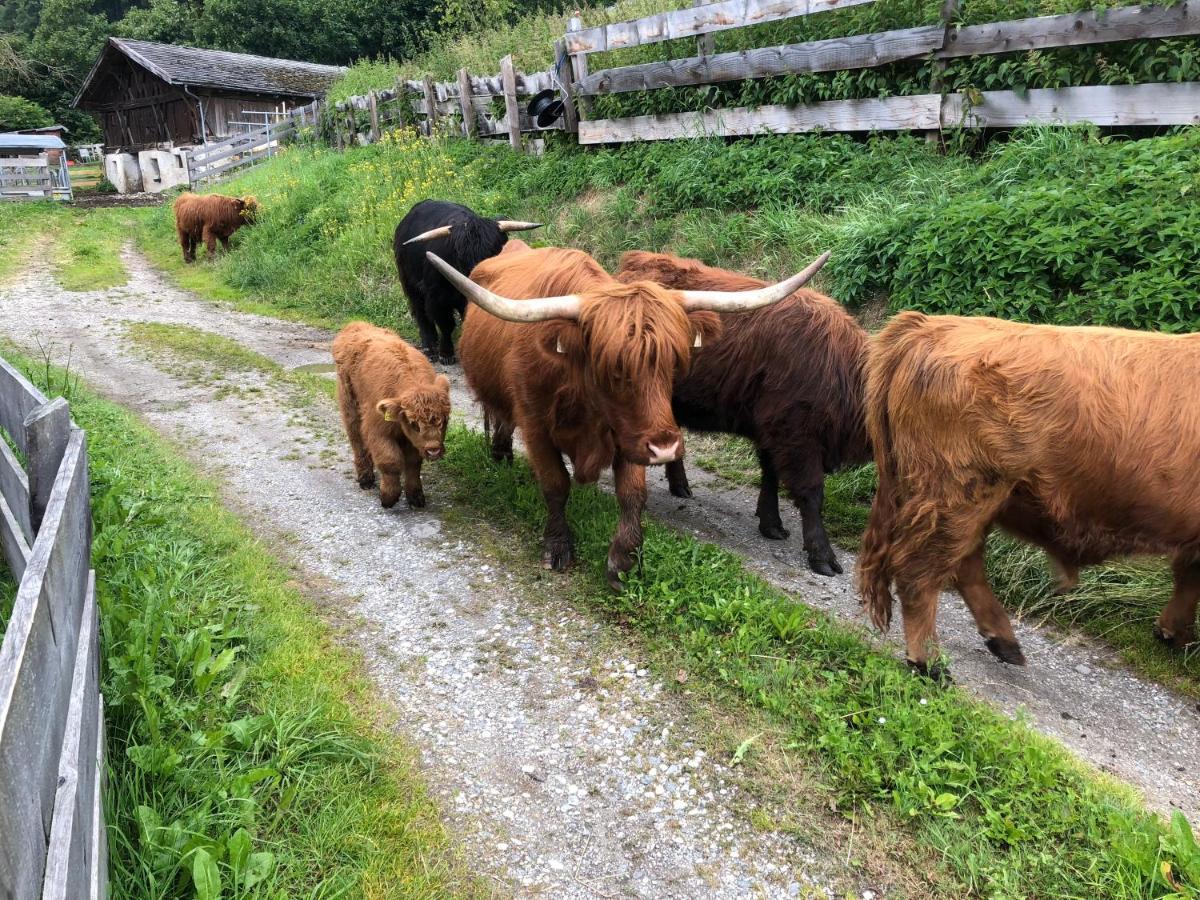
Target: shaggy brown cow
(788, 377)
(1083, 441)
(394, 406)
(586, 372)
(210, 217)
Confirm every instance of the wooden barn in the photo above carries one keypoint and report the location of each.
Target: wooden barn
(149, 95)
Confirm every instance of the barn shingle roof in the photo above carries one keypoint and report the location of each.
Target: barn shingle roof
(222, 70)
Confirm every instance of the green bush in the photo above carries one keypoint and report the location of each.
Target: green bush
(17, 113)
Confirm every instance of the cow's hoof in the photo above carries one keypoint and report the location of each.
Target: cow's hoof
(1006, 650)
(387, 502)
(1178, 641)
(774, 532)
(449, 359)
(825, 565)
(936, 671)
(431, 353)
(613, 576)
(681, 490)
(367, 481)
(502, 456)
(416, 499)
(558, 557)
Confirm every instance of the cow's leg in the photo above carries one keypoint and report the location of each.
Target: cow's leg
(803, 473)
(770, 525)
(210, 241)
(390, 462)
(919, 604)
(413, 491)
(185, 245)
(1066, 574)
(677, 480)
(225, 242)
(443, 318)
(630, 482)
(990, 617)
(502, 441)
(1176, 626)
(558, 550)
(364, 466)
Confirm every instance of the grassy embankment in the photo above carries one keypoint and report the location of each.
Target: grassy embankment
(1057, 226)
(982, 794)
(246, 750)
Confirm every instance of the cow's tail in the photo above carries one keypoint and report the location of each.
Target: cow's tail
(885, 356)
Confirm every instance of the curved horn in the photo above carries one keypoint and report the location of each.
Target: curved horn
(429, 235)
(507, 225)
(502, 307)
(738, 301)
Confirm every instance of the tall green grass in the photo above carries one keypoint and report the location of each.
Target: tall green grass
(245, 748)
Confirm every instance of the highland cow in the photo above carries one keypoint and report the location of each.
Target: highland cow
(789, 377)
(395, 409)
(209, 218)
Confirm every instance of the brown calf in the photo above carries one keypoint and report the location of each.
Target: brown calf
(394, 406)
(1083, 441)
(210, 217)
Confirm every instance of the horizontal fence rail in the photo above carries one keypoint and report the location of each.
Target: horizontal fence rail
(52, 832)
(34, 179)
(224, 158)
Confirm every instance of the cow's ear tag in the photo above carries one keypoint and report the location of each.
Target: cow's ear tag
(697, 342)
(388, 417)
(558, 347)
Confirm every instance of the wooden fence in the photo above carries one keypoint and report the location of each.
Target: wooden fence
(221, 159)
(52, 833)
(1140, 104)
(465, 105)
(34, 178)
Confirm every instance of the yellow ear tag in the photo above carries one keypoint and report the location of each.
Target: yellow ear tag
(388, 417)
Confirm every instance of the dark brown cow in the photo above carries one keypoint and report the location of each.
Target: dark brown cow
(394, 406)
(788, 377)
(583, 365)
(1083, 441)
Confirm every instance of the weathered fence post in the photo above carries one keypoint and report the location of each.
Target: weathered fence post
(373, 109)
(937, 82)
(466, 103)
(562, 71)
(431, 110)
(512, 112)
(705, 43)
(47, 429)
(579, 68)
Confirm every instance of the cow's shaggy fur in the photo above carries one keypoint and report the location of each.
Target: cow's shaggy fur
(395, 409)
(209, 218)
(597, 389)
(788, 377)
(1083, 441)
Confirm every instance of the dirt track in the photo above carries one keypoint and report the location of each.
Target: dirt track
(491, 686)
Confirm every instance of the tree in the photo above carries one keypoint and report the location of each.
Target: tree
(17, 114)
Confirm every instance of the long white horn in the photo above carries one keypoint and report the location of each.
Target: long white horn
(738, 301)
(502, 307)
(429, 235)
(507, 225)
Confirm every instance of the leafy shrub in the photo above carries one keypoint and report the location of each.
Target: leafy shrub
(17, 113)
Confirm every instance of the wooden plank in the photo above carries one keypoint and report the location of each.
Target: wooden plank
(68, 863)
(99, 855)
(36, 661)
(1111, 105)
(888, 114)
(205, 154)
(14, 489)
(431, 110)
(32, 180)
(706, 44)
(1074, 30)
(686, 23)
(13, 542)
(862, 51)
(18, 397)
(512, 113)
(469, 123)
(947, 15)
(24, 163)
(46, 431)
(373, 110)
(562, 64)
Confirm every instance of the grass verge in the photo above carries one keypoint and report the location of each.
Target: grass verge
(1009, 812)
(244, 745)
(88, 249)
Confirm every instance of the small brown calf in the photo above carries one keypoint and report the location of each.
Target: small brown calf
(395, 409)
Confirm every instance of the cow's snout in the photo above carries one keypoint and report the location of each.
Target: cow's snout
(434, 452)
(664, 453)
